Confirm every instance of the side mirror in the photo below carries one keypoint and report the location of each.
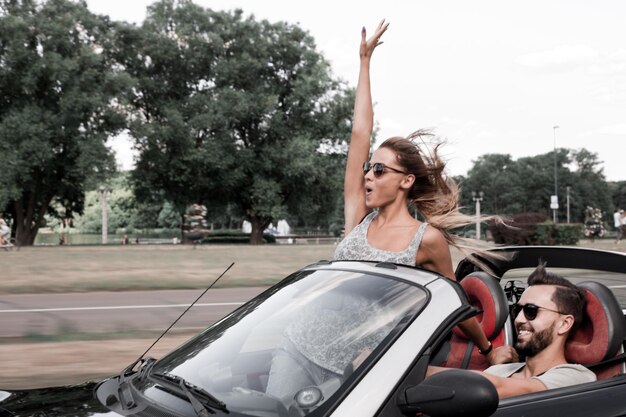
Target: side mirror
(452, 393)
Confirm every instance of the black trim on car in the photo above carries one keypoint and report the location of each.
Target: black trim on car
(555, 256)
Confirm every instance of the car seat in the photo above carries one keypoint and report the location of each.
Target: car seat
(485, 293)
(601, 334)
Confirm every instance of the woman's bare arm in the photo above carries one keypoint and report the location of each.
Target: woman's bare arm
(362, 127)
(434, 255)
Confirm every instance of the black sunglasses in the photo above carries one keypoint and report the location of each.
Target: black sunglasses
(530, 310)
(378, 168)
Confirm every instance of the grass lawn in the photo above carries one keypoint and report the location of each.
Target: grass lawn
(119, 268)
(90, 268)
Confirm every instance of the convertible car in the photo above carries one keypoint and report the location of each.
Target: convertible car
(355, 339)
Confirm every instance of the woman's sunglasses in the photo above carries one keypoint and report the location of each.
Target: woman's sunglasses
(530, 310)
(378, 168)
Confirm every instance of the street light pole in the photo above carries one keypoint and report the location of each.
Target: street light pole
(568, 188)
(477, 197)
(555, 200)
(104, 193)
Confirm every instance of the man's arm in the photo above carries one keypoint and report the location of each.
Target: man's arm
(510, 387)
(506, 387)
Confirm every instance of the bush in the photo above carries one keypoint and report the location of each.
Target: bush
(559, 234)
(519, 229)
(533, 229)
(233, 237)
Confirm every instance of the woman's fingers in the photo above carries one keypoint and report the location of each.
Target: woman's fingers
(368, 45)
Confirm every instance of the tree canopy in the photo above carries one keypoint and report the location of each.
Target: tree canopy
(58, 85)
(231, 111)
(526, 184)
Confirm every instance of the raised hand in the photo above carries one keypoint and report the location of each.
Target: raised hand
(368, 45)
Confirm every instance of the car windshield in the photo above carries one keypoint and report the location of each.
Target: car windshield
(290, 349)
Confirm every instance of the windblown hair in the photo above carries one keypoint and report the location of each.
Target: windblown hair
(434, 195)
(569, 298)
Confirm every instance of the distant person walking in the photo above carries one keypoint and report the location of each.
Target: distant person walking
(618, 223)
(5, 233)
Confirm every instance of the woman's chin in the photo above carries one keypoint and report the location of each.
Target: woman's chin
(369, 203)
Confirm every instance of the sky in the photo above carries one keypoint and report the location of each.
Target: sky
(487, 76)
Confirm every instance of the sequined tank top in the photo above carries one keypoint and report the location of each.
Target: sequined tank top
(355, 246)
(311, 332)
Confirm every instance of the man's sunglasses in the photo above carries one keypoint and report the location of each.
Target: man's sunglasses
(378, 168)
(530, 310)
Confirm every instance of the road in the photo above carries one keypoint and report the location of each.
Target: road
(112, 312)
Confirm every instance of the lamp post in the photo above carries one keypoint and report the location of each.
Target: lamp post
(554, 200)
(477, 197)
(568, 188)
(104, 193)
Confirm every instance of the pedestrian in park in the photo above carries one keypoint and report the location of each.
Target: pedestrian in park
(5, 233)
(379, 191)
(618, 224)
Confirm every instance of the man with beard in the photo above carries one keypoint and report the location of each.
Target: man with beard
(548, 311)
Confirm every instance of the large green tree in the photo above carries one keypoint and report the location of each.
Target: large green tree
(58, 85)
(235, 111)
(526, 184)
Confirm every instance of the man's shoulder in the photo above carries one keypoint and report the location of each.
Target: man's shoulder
(505, 370)
(566, 374)
(573, 367)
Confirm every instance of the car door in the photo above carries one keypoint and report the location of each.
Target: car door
(601, 398)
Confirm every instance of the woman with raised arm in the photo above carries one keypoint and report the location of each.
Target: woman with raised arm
(379, 190)
(378, 227)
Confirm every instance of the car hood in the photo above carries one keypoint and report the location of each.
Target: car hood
(75, 401)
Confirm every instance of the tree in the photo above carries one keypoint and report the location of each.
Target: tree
(495, 175)
(525, 185)
(235, 111)
(58, 85)
(618, 194)
(588, 185)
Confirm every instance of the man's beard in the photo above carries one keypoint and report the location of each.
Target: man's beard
(538, 342)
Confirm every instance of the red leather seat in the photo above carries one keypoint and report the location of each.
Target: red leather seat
(601, 334)
(485, 293)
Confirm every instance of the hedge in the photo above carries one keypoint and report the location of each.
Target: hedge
(233, 237)
(525, 229)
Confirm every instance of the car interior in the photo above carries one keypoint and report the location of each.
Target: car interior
(598, 340)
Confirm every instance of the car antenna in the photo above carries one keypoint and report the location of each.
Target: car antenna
(129, 368)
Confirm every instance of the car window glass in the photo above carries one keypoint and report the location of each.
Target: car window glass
(311, 332)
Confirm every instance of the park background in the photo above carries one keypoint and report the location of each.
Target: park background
(250, 119)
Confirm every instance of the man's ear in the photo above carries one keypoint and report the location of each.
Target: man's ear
(566, 324)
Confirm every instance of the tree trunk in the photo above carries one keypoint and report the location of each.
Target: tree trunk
(29, 215)
(25, 236)
(183, 236)
(259, 224)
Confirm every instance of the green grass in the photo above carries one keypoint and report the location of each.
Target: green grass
(145, 267)
(122, 268)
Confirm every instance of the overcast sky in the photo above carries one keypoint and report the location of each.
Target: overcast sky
(489, 76)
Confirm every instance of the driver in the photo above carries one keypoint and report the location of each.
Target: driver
(550, 309)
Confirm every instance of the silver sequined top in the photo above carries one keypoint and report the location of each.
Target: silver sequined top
(311, 332)
(355, 246)
(331, 337)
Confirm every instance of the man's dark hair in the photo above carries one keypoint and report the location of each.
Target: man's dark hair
(569, 298)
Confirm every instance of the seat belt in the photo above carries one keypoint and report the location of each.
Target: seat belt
(468, 355)
(615, 359)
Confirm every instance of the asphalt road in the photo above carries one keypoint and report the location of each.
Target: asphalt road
(105, 312)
